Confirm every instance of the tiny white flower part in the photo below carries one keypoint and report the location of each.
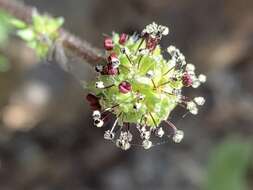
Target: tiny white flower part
(125, 50)
(150, 74)
(109, 135)
(124, 145)
(160, 132)
(143, 129)
(190, 67)
(176, 55)
(177, 92)
(192, 107)
(196, 84)
(141, 97)
(99, 84)
(171, 50)
(129, 136)
(143, 51)
(199, 100)
(99, 68)
(96, 114)
(154, 30)
(202, 78)
(115, 62)
(147, 144)
(137, 106)
(164, 30)
(178, 136)
(145, 135)
(98, 123)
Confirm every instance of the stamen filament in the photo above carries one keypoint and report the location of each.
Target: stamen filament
(171, 125)
(139, 62)
(153, 119)
(139, 46)
(106, 87)
(169, 70)
(153, 83)
(115, 122)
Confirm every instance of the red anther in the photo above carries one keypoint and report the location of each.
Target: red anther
(151, 43)
(93, 101)
(112, 57)
(109, 70)
(108, 44)
(123, 38)
(187, 80)
(91, 98)
(113, 60)
(125, 87)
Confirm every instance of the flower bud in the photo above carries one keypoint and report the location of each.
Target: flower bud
(109, 70)
(108, 44)
(123, 38)
(187, 80)
(125, 87)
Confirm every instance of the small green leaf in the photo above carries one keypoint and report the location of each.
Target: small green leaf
(26, 34)
(18, 23)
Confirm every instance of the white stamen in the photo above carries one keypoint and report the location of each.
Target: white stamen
(137, 106)
(147, 144)
(202, 78)
(178, 136)
(109, 135)
(150, 74)
(99, 84)
(192, 107)
(160, 132)
(199, 100)
(96, 114)
(196, 84)
(98, 123)
(190, 67)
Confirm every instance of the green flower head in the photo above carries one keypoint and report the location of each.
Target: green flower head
(140, 88)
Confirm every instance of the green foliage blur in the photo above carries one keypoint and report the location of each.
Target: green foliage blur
(229, 164)
(5, 28)
(41, 34)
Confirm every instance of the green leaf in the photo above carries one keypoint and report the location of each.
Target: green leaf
(54, 24)
(18, 23)
(4, 27)
(26, 34)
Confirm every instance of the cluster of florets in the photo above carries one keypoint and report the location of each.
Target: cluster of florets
(138, 88)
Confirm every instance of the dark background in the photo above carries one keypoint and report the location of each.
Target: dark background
(47, 141)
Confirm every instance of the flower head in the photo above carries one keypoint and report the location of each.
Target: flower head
(140, 88)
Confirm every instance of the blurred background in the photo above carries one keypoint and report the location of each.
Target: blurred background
(48, 142)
